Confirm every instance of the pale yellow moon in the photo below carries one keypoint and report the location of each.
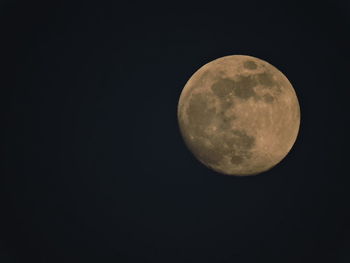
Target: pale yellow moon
(239, 115)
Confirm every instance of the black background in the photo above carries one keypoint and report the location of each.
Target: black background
(95, 169)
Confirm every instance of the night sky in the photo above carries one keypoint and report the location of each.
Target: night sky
(94, 168)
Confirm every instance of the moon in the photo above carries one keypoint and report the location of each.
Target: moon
(239, 115)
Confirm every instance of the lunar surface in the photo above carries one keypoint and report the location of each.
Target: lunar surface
(239, 115)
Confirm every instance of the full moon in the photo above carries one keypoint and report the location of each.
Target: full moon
(239, 115)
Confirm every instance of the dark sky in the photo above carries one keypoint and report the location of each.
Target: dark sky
(94, 166)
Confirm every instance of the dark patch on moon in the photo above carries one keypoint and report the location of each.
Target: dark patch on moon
(236, 159)
(222, 87)
(249, 64)
(225, 124)
(243, 87)
(245, 141)
(268, 98)
(227, 104)
(266, 79)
